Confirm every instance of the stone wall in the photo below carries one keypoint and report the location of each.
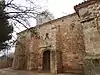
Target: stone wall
(47, 42)
(63, 37)
(90, 20)
(26, 50)
(70, 43)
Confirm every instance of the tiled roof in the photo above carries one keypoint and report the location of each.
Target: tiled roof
(84, 4)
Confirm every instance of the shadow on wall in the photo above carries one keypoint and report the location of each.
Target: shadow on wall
(5, 62)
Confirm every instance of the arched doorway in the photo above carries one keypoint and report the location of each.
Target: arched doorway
(46, 61)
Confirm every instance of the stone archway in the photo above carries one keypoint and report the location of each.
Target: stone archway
(46, 61)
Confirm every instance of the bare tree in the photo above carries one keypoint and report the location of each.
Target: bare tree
(21, 13)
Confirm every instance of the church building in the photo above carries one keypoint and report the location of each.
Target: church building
(70, 44)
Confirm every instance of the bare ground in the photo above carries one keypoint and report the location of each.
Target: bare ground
(9, 71)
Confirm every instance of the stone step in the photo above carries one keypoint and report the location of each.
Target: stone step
(70, 74)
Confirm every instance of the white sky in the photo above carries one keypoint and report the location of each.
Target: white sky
(62, 7)
(57, 7)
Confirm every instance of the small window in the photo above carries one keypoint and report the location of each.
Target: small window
(96, 62)
(62, 20)
(47, 35)
(72, 26)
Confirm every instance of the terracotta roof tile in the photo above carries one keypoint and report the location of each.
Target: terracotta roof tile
(85, 3)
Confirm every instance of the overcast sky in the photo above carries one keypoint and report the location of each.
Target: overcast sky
(62, 7)
(57, 7)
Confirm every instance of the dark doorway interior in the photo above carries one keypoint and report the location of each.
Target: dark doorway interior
(46, 61)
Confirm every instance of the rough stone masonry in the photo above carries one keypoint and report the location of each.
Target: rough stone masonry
(68, 44)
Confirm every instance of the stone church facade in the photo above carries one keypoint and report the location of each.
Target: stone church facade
(68, 44)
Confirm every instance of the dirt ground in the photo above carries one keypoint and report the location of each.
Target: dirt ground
(18, 72)
(9, 71)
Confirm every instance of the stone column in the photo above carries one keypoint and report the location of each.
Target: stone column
(53, 63)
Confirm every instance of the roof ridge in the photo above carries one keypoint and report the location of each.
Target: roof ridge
(85, 3)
